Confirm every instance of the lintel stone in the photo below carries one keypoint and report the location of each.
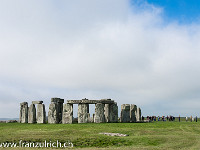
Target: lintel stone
(85, 101)
(57, 100)
(37, 102)
(23, 103)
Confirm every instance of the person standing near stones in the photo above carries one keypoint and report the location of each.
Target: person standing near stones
(186, 119)
(191, 118)
(179, 118)
(142, 118)
(196, 118)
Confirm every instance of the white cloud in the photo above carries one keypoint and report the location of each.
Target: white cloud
(97, 49)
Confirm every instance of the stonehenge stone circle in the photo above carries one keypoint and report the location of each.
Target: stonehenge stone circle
(106, 110)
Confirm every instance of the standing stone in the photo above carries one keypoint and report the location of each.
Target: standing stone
(133, 112)
(107, 112)
(53, 113)
(99, 113)
(41, 114)
(59, 108)
(67, 113)
(125, 113)
(138, 115)
(113, 113)
(55, 110)
(32, 114)
(23, 118)
(93, 117)
(83, 110)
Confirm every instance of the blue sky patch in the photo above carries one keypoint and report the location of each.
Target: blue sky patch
(182, 11)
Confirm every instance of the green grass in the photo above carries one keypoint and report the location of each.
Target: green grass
(156, 135)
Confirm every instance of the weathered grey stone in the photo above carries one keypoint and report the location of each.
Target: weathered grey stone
(37, 102)
(23, 117)
(86, 101)
(67, 113)
(32, 114)
(23, 103)
(2, 121)
(53, 113)
(59, 103)
(125, 113)
(90, 119)
(57, 100)
(41, 114)
(133, 112)
(11, 121)
(138, 115)
(99, 113)
(113, 112)
(83, 110)
(54, 99)
(106, 99)
(114, 134)
(93, 117)
(107, 112)
(59, 110)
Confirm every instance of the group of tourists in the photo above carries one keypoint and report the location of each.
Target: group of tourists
(168, 118)
(190, 118)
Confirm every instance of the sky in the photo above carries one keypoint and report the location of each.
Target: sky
(132, 51)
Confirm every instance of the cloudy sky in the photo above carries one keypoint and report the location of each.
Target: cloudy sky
(136, 52)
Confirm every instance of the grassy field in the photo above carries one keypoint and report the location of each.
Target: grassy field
(156, 135)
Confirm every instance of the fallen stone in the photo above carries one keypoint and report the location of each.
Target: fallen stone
(114, 134)
(11, 121)
(2, 121)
